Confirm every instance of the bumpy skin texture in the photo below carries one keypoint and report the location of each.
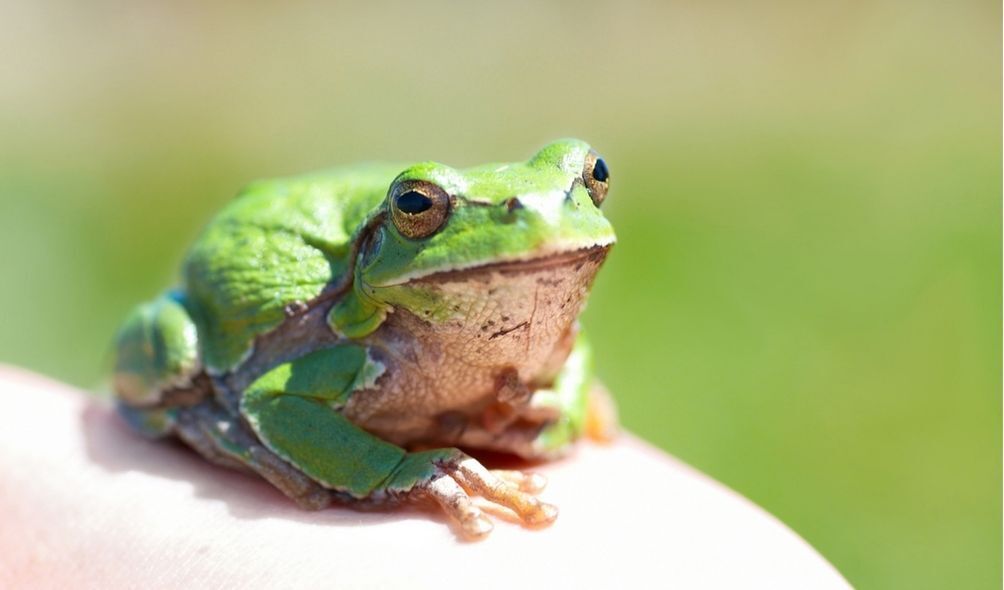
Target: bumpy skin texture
(331, 326)
(278, 242)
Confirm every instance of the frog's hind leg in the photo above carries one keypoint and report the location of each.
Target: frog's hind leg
(162, 390)
(157, 365)
(156, 355)
(223, 439)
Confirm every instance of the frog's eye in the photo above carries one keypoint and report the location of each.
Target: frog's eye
(418, 208)
(596, 177)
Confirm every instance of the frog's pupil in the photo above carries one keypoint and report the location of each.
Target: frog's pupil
(600, 172)
(413, 202)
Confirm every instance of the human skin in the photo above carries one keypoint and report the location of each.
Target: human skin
(86, 503)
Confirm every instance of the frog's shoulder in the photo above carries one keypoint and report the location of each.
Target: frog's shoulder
(278, 242)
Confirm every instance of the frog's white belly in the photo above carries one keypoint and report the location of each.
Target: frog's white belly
(508, 319)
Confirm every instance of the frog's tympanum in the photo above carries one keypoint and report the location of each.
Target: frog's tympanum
(341, 334)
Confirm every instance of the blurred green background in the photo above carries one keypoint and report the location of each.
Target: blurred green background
(805, 299)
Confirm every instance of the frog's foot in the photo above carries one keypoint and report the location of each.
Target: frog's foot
(602, 424)
(455, 482)
(529, 482)
(224, 441)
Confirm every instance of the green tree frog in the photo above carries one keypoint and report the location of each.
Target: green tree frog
(343, 334)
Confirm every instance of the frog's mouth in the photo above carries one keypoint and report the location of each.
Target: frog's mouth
(583, 259)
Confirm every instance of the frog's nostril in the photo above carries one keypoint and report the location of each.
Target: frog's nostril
(513, 204)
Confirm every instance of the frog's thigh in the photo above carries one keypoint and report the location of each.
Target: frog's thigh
(156, 350)
(223, 440)
(294, 411)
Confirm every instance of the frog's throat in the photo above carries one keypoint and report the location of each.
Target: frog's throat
(596, 252)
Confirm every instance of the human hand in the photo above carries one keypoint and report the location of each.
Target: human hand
(86, 503)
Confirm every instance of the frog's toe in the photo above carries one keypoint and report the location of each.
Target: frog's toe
(602, 424)
(529, 482)
(458, 505)
(457, 478)
(475, 478)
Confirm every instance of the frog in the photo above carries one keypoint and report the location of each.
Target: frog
(356, 336)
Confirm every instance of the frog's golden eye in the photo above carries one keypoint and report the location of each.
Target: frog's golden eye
(596, 177)
(418, 208)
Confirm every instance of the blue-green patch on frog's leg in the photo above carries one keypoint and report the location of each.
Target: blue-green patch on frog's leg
(150, 422)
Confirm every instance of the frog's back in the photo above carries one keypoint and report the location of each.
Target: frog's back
(278, 242)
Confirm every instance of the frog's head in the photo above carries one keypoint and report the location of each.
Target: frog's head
(448, 241)
(439, 219)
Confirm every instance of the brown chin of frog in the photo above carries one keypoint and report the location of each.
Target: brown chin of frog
(510, 313)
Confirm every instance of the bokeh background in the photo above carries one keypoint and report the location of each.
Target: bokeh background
(805, 299)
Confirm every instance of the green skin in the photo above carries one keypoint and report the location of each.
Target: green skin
(328, 242)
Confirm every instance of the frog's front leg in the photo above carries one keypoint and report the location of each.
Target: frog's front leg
(295, 411)
(553, 418)
(221, 438)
